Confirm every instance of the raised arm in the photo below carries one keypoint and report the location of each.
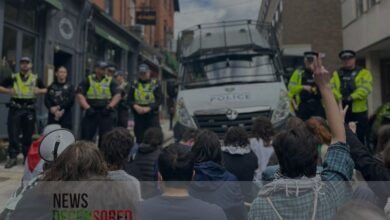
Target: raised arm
(333, 115)
(338, 164)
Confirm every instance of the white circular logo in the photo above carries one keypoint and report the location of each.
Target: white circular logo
(66, 28)
(231, 114)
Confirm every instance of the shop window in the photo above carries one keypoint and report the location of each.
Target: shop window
(27, 18)
(28, 48)
(11, 12)
(109, 7)
(20, 14)
(9, 50)
(113, 55)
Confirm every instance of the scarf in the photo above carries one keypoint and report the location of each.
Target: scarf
(236, 149)
(291, 187)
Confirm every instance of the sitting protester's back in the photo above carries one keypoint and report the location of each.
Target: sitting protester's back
(212, 182)
(239, 159)
(176, 169)
(143, 165)
(299, 193)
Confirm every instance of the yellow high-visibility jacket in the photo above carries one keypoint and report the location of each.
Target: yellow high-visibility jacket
(295, 86)
(363, 84)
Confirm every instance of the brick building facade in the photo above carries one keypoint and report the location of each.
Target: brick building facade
(162, 34)
(159, 36)
(306, 25)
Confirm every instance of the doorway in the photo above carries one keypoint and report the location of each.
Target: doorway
(62, 58)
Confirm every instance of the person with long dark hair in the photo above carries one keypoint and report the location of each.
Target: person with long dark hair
(212, 182)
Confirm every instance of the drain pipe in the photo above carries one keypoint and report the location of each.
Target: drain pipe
(81, 50)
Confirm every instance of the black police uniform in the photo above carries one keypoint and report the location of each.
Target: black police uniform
(310, 102)
(123, 107)
(21, 119)
(60, 94)
(148, 120)
(98, 117)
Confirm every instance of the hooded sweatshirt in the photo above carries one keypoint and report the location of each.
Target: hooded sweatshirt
(214, 184)
(144, 168)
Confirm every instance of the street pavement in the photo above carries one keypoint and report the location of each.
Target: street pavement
(10, 179)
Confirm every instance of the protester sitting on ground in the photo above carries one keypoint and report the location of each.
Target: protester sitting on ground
(261, 143)
(319, 127)
(359, 210)
(294, 122)
(39, 166)
(143, 165)
(239, 159)
(33, 165)
(299, 193)
(188, 137)
(115, 146)
(176, 169)
(79, 161)
(374, 171)
(80, 171)
(212, 182)
(383, 140)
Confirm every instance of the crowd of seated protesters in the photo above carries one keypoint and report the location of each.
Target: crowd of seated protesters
(304, 171)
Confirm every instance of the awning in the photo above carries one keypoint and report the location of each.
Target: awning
(168, 73)
(55, 3)
(103, 33)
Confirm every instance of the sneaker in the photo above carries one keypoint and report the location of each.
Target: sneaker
(10, 163)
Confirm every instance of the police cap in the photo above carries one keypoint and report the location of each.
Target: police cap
(310, 54)
(119, 73)
(111, 68)
(25, 59)
(101, 64)
(143, 68)
(347, 54)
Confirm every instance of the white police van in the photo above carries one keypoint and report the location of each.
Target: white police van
(230, 73)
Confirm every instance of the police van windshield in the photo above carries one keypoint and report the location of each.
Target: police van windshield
(233, 69)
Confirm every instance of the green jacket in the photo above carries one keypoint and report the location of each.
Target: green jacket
(363, 83)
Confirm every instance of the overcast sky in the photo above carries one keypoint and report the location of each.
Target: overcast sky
(193, 12)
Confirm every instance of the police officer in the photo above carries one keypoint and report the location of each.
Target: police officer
(98, 95)
(60, 99)
(23, 88)
(123, 107)
(351, 85)
(145, 97)
(110, 70)
(303, 92)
